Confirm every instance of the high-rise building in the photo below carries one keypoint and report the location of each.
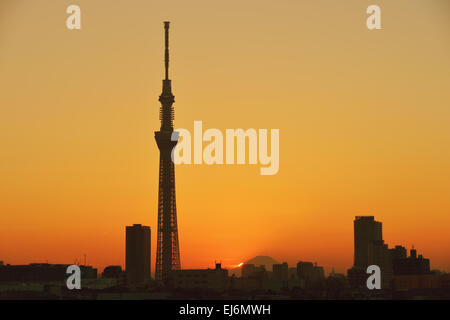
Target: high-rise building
(137, 255)
(167, 252)
(366, 231)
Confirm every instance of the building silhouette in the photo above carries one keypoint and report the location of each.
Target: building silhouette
(395, 266)
(412, 265)
(113, 272)
(42, 272)
(168, 252)
(247, 270)
(280, 271)
(305, 270)
(215, 279)
(366, 231)
(137, 255)
(310, 272)
(399, 252)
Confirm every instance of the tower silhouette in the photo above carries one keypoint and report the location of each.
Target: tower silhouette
(168, 251)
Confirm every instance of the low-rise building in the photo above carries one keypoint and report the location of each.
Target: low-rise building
(215, 279)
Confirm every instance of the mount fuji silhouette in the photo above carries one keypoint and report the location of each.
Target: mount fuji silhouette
(265, 261)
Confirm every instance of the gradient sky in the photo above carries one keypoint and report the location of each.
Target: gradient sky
(363, 117)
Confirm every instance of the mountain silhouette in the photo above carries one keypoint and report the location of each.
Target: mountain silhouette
(266, 261)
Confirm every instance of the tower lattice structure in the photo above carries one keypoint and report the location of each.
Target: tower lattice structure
(168, 250)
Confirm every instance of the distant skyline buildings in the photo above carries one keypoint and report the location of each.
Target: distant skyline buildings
(370, 249)
(398, 271)
(412, 265)
(310, 271)
(367, 248)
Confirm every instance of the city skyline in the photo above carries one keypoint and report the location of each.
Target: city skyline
(362, 117)
(367, 232)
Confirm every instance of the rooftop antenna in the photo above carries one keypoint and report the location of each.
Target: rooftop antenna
(166, 60)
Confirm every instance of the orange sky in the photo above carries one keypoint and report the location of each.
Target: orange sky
(363, 118)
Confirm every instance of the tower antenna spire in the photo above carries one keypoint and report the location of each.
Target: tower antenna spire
(166, 60)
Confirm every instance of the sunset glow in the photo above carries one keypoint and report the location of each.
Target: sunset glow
(363, 123)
